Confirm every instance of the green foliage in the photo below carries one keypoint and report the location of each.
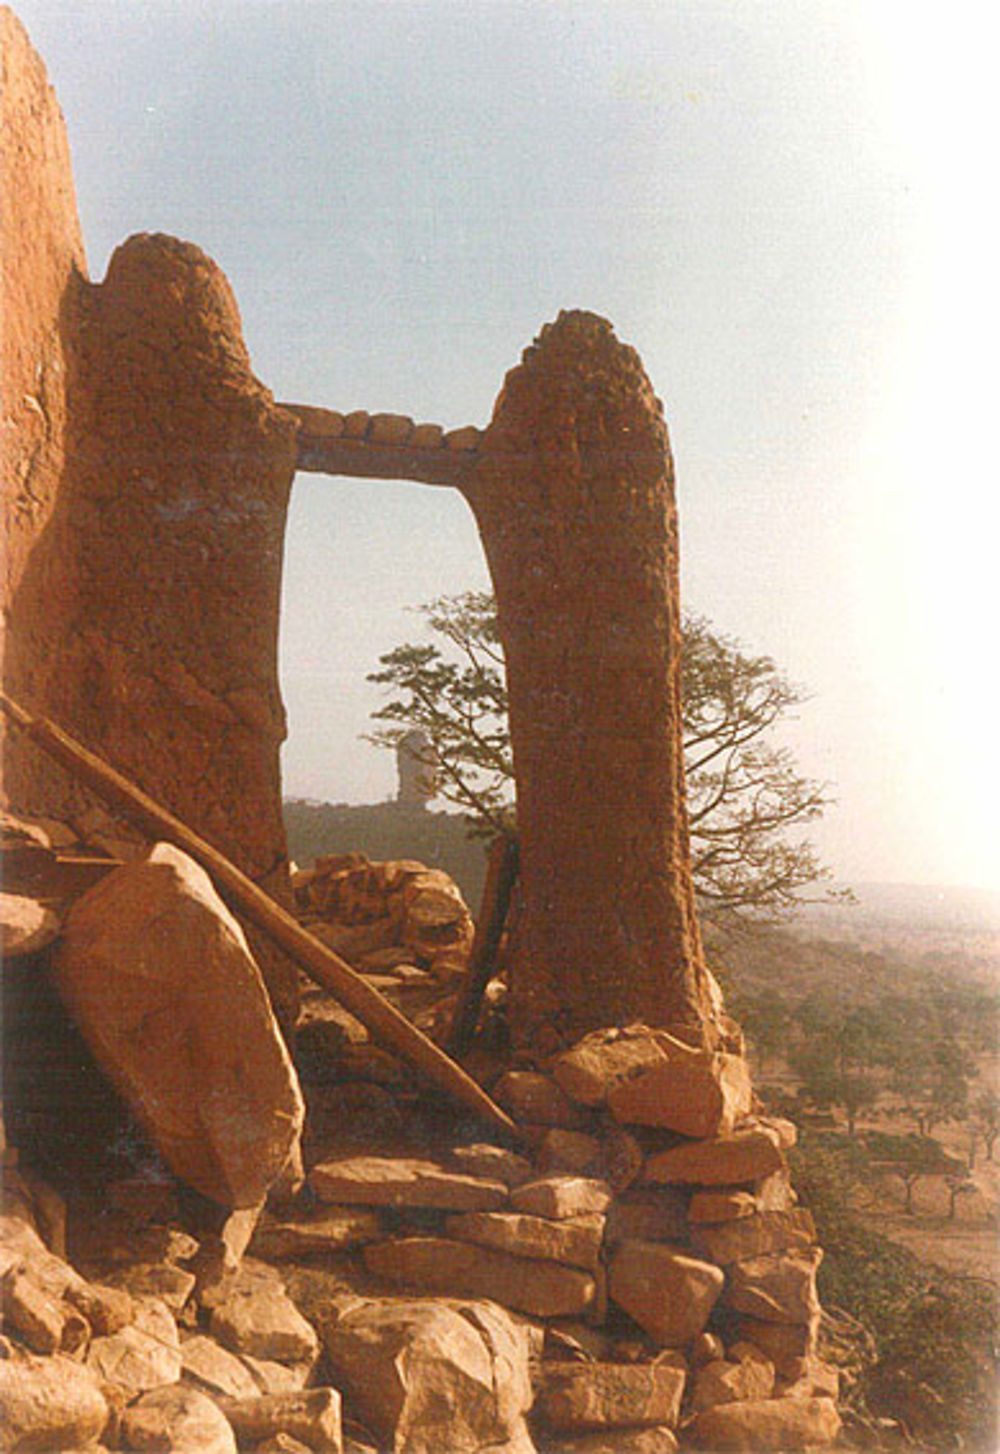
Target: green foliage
(934, 1335)
(744, 794)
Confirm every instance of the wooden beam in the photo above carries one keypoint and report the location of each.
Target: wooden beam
(387, 1025)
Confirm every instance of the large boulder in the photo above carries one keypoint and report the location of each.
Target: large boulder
(177, 1417)
(157, 974)
(48, 1403)
(669, 1293)
(433, 1375)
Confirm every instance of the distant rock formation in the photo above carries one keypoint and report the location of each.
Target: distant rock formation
(418, 769)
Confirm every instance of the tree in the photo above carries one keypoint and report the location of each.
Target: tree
(932, 1078)
(987, 1119)
(910, 1158)
(744, 794)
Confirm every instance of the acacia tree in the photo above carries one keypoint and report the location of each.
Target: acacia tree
(745, 795)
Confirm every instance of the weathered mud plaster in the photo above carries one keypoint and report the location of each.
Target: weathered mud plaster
(141, 605)
(573, 492)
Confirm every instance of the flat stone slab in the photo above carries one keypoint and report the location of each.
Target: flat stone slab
(668, 1293)
(756, 1236)
(561, 1196)
(382, 1181)
(492, 1163)
(576, 1397)
(746, 1155)
(767, 1426)
(575, 1241)
(330, 1229)
(450, 1268)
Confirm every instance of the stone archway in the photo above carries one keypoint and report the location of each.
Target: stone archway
(147, 474)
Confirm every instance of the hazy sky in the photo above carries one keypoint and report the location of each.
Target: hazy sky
(785, 205)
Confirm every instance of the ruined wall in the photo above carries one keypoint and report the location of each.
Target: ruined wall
(142, 607)
(42, 274)
(574, 497)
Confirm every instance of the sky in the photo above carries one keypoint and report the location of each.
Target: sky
(784, 205)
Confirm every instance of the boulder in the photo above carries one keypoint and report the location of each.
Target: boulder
(777, 1288)
(724, 1382)
(785, 1344)
(171, 1284)
(142, 1356)
(461, 1269)
(573, 1151)
(575, 1241)
(493, 1163)
(48, 1403)
(212, 1368)
(667, 1292)
(590, 1070)
(750, 1237)
(157, 974)
(177, 1417)
(256, 1316)
(382, 1181)
(760, 1425)
(695, 1092)
(649, 1214)
(433, 1375)
(26, 926)
(580, 1396)
(312, 1416)
(561, 1196)
(721, 1206)
(745, 1155)
(657, 1440)
(536, 1100)
(327, 1229)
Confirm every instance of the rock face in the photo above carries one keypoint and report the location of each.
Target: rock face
(573, 494)
(157, 974)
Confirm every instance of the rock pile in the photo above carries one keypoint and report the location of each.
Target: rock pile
(387, 918)
(636, 1276)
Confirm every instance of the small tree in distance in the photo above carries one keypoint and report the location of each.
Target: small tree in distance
(744, 794)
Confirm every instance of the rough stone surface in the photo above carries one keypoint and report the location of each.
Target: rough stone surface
(778, 1288)
(668, 1293)
(723, 1382)
(48, 1403)
(330, 1229)
(494, 1163)
(649, 1214)
(581, 1396)
(535, 1099)
(213, 1368)
(177, 1418)
(575, 1241)
(561, 1196)
(142, 1356)
(312, 1416)
(378, 1181)
(140, 394)
(428, 1376)
(749, 1237)
(460, 1269)
(572, 1151)
(721, 1206)
(746, 1155)
(776, 1424)
(259, 1318)
(157, 974)
(26, 926)
(695, 1092)
(658, 1440)
(785, 1344)
(573, 494)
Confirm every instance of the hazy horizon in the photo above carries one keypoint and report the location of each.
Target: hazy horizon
(783, 208)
